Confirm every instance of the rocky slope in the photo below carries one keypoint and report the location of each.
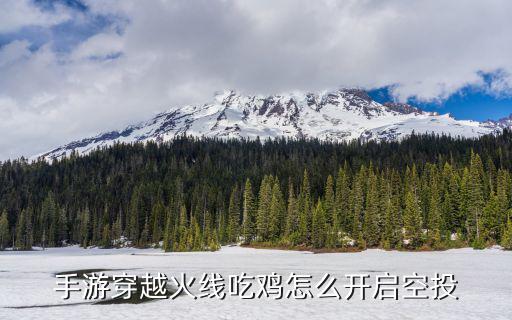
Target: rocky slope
(342, 114)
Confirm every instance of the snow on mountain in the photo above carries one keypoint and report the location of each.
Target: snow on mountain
(502, 123)
(343, 114)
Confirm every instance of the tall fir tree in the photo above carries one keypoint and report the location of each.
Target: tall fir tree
(106, 239)
(197, 242)
(329, 201)
(134, 215)
(464, 205)
(48, 221)
(234, 216)
(371, 230)
(305, 210)
(491, 219)
(24, 230)
(4, 231)
(264, 201)
(320, 227)
(475, 197)
(168, 241)
(412, 220)
(504, 194)
(144, 235)
(249, 214)
(506, 241)
(357, 203)
(450, 206)
(181, 238)
(342, 201)
(84, 228)
(292, 217)
(117, 230)
(435, 223)
(392, 235)
(157, 221)
(277, 212)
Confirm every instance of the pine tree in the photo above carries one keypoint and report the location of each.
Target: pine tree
(197, 243)
(62, 235)
(277, 212)
(117, 230)
(4, 231)
(319, 232)
(392, 227)
(95, 228)
(305, 214)
(106, 240)
(490, 223)
(332, 237)
(205, 228)
(221, 228)
(234, 216)
(157, 215)
(292, 217)
(24, 231)
(264, 200)
(371, 232)
(450, 207)
(475, 197)
(29, 229)
(412, 180)
(134, 214)
(504, 194)
(182, 235)
(329, 201)
(144, 235)
(464, 214)
(167, 243)
(249, 214)
(357, 203)
(412, 220)
(214, 243)
(48, 221)
(169, 232)
(506, 240)
(342, 201)
(434, 229)
(84, 228)
(393, 224)
(435, 223)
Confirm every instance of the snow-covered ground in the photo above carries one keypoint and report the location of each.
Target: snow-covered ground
(484, 289)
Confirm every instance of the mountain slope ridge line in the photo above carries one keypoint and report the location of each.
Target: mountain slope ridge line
(338, 115)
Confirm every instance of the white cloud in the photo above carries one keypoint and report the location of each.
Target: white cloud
(177, 52)
(13, 52)
(99, 46)
(15, 14)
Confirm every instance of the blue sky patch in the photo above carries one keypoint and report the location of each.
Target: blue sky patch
(475, 103)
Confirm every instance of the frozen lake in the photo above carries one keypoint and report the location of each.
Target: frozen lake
(484, 284)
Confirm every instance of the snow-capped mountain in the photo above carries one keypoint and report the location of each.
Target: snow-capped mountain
(502, 123)
(342, 114)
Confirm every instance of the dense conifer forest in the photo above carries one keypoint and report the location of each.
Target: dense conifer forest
(426, 192)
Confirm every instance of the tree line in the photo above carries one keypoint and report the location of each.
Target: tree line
(425, 192)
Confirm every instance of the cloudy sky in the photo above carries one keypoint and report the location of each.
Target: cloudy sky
(69, 69)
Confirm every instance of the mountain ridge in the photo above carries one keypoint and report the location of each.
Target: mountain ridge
(338, 115)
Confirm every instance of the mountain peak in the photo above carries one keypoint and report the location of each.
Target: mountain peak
(505, 122)
(404, 108)
(337, 115)
(221, 96)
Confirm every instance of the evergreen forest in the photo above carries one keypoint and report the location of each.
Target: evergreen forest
(426, 192)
